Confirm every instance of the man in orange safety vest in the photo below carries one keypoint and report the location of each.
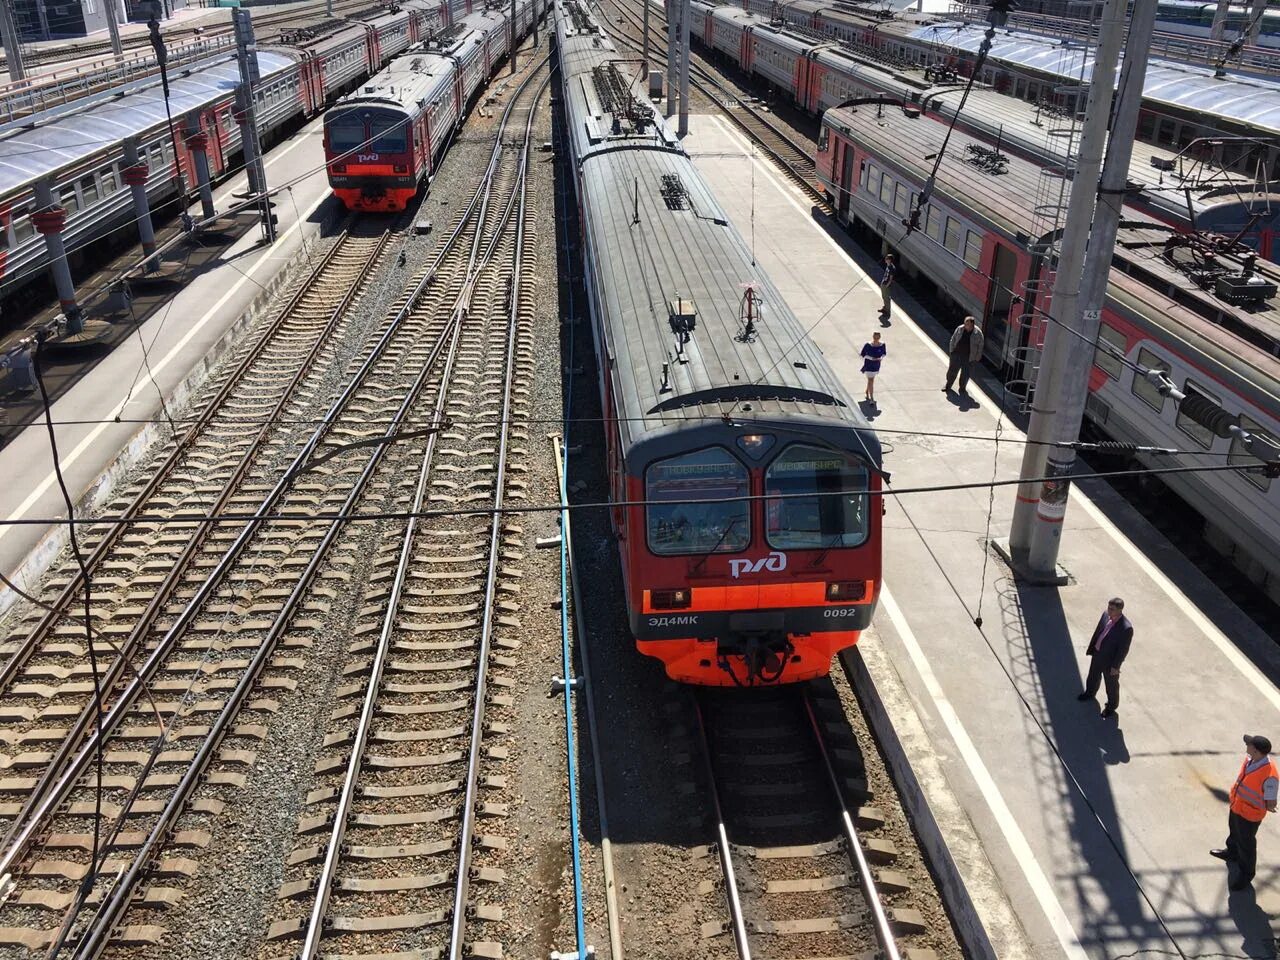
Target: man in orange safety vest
(1252, 796)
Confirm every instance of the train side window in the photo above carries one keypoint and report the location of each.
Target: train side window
(973, 249)
(933, 223)
(822, 500)
(110, 181)
(68, 199)
(89, 189)
(1106, 361)
(1237, 455)
(873, 181)
(954, 235)
(676, 527)
(902, 200)
(1198, 432)
(1143, 389)
(886, 191)
(1165, 131)
(824, 138)
(20, 224)
(1146, 125)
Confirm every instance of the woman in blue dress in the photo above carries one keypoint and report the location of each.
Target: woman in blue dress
(872, 354)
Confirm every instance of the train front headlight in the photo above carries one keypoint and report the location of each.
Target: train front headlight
(846, 591)
(674, 599)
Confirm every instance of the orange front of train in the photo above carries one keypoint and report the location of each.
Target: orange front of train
(370, 154)
(742, 573)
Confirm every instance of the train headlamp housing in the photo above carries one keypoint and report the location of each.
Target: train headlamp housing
(846, 591)
(676, 599)
(756, 445)
(339, 168)
(401, 168)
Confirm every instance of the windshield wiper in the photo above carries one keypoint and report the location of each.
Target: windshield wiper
(706, 556)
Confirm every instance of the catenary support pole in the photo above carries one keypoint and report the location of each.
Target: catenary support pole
(49, 218)
(198, 143)
(1256, 13)
(513, 36)
(1066, 284)
(673, 15)
(247, 57)
(1077, 354)
(686, 11)
(1219, 28)
(11, 41)
(111, 8)
(644, 49)
(135, 173)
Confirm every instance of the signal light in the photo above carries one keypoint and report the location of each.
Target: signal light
(846, 591)
(670, 599)
(339, 168)
(401, 168)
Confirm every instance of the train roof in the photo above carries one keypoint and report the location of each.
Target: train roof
(665, 252)
(1253, 101)
(418, 72)
(1142, 276)
(29, 155)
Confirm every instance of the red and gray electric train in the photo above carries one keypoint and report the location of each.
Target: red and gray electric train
(747, 523)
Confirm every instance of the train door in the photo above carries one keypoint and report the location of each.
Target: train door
(1000, 294)
(844, 157)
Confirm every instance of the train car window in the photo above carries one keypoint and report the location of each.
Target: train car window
(886, 191)
(1143, 388)
(902, 200)
(973, 249)
(346, 132)
(20, 224)
(933, 222)
(676, 527)
(1166, 131)
(824, 500)
(873, 182)
(1104, 360)
(1198, 432)
(69, 201)
(955, 234)
(109, 182)
(824, 138)
(1238, 456)
(1146, 125)
(89, 189)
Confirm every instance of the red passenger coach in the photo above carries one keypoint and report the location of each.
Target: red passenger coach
(380, 141)
(743, 476)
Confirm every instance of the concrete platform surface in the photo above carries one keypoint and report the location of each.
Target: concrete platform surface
(178, 340)
(1098, 831)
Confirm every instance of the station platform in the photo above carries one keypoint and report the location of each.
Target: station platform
(1075, 836)
(115, 407)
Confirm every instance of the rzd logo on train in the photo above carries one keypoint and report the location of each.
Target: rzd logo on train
(367, 158)
(775, 561)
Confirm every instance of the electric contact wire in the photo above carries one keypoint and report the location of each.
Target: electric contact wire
(366, 517)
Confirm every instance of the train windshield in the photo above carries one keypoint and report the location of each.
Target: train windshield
(389, 132)
(346, 132)
(822, 500)
(677, 527)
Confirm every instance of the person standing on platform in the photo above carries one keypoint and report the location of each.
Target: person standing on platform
(886, 281)
(1252, 796)
(1107, 649)
(872, 353)
(965, 349)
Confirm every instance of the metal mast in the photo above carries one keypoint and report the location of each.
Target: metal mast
(1070, 265)
(686, 11)
(12, 43)
(1077, 354)
(673, 14)
(247, 56)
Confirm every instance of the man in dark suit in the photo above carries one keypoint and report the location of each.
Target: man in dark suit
(1107, 649)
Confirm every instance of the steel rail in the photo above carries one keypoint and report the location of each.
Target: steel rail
(143, 675)
(72, 590)
(457, 927)
(122, 664)
(866, 878)
(346, 798)
(722, 843)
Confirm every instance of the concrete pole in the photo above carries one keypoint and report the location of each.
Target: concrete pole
(1255, 20)
(11, 41)
(644, 51)
(111, 9)
(42, 14)
(1063, 305)
(198, 143)
(513, 36)
(686, 12)
(1219, 28)
(247, 56)
(535, 24)
(672, 58)
(135, 174)
(1078, 353)
(49, 218)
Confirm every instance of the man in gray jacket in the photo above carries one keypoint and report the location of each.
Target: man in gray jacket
(966, 348)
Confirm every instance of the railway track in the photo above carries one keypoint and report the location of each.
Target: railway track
(793, 157)
(799, 879)
(197, 625)
(393, 851)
